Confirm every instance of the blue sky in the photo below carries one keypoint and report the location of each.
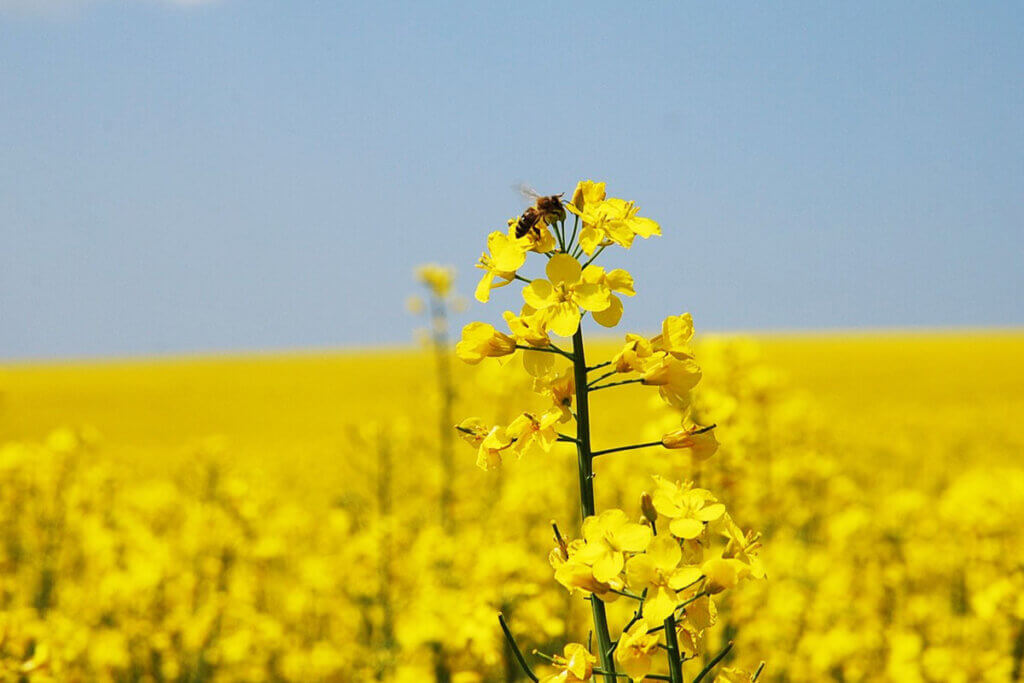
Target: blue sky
(241, 174)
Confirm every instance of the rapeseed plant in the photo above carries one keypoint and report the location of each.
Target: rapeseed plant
(672, 575)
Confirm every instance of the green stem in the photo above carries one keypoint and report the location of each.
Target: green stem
(516, 652)
(627, 448)
(616, 384)
(602, 378)
(596, 254)
(585, 463)
(711, 665)
(675, 662)
(545, 349)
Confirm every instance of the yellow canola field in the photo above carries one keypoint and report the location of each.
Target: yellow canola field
(278, 518)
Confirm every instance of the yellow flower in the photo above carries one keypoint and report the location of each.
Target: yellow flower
(560, 388)
(608, 221)
(506, 256)
(528, 328)
(574, 574)
(491, 442)
(528, 430)
(480, 340)
(743, 547)
(731, 674)
(636, 650)
(437, 278)
(700, 441)
(633, 355)
(617, 281)
(576, 664)
(607, 537)
(723, 573)
(658, 571)
(587, 193)
(687, 507)
(673, 377)
(676, 333)
(541, 240)
(472, 430)
(560, 298)
(489, 454)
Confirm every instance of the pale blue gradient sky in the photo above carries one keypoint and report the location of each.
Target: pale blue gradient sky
(243, 174)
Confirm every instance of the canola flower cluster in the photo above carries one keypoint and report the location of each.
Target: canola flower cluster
(674, 576)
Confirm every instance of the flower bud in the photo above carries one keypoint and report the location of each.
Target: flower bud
(700, 440)
(647, 507)
(480, 340)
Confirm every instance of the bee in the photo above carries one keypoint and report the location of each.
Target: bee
(543, 209)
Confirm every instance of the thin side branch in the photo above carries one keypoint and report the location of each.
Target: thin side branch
(627, 448)
(516, 652)
(616, 384)
(711, 665)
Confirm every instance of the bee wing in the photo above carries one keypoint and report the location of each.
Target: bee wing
(526, 191)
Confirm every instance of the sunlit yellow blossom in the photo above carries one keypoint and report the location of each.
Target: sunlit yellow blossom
(437, 278)
(480, 340)
(700, 441)
(505, 257)
(675, 337)
(724, 573)
(633, 355)
(528, 329)
(636, 650)
(560, 388)
(539, 240)
(576, 664)
(732, 674)
(472, 430)
(608, 221)
(528, 430)
(618, 281)
(743, 547)
(673, 377)
(559, 298)
(689, 508)
(657, 570)
(607, 537)
(587, 194)
(575, 575)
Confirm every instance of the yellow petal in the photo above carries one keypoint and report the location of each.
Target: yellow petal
(539, 294)
(483, 288)
(660, 603)
(620, 281)
(640, 572)
(592, 297)
(506, 254)
(685, 528)
(644, 227)
(633, 537)
(608, 566)
(563, 269)
(538, 363)
(610, 316)
(664, 553)
(564, 319)
(590, 239)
